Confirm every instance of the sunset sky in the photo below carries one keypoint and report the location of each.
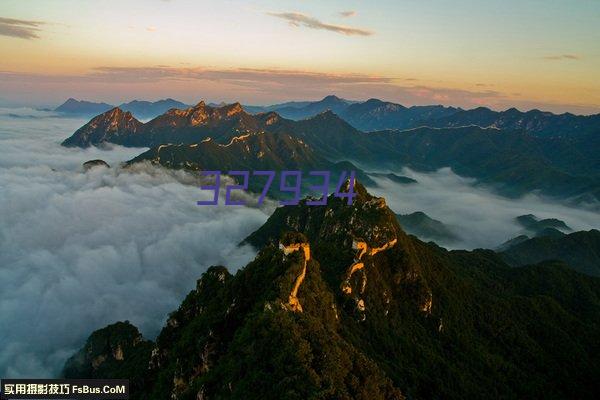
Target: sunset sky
(522, 53)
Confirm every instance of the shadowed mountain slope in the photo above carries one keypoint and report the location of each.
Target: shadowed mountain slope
(340, 303)
(580, 250)
(511, 161)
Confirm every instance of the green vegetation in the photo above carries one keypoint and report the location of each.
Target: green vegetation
(418, 322)
(512, 160)
(580, 250)
(117, 351)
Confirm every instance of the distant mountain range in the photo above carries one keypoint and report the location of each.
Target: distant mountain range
(514, 162)
(82, 107)
(375, 114)
(141, 109)
(340, 303)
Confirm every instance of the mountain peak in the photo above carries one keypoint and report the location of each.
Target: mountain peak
(332, 97)
(84, 107)
(512, 110)
(201, 104)
(115, 114)
(233, 109)
(368, 219)
(102, 128)
(373, 101)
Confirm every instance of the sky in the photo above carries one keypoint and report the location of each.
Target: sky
(468, 53)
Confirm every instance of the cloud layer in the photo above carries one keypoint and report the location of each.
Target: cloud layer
(81, 250)
(347, 14)
(480, 218)
(558, 57)
(297, 19)
(19, 28)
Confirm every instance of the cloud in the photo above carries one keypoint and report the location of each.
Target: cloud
(558, 57)
(481, 218)
(82, 250)
(347, 14)
(19, 28)
(240, 75)
(260, 79)
(261, 86)
(298, 19)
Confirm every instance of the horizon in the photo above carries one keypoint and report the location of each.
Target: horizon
(217, 103)
(528, 56)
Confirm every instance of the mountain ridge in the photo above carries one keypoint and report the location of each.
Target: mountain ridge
(341, 303)
(374, 114)
(513, 162)
(580, 250)
(142, 109)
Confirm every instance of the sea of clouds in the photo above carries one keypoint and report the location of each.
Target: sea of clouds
(80, 250)
(478, 216)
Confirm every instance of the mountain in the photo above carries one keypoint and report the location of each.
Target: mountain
(148, 109)
(546, 232)
(512, 242)
(331, 103)
(580, 250)
(263, 109)
(109, 127)
(262, 151)
(374, 115)
(139, 108)
(340, 303)
(112, 352)
(426, 228)
(251, 151)
(190, 125)
(535, 225)
(82, 107)
(513, 162)
(94, 164)
(535, 122)
(370, 115)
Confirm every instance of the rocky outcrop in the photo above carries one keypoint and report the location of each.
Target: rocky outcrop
(108, 127)
(282, 328)
(190, 125)
(94, 164)
(115, 351)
